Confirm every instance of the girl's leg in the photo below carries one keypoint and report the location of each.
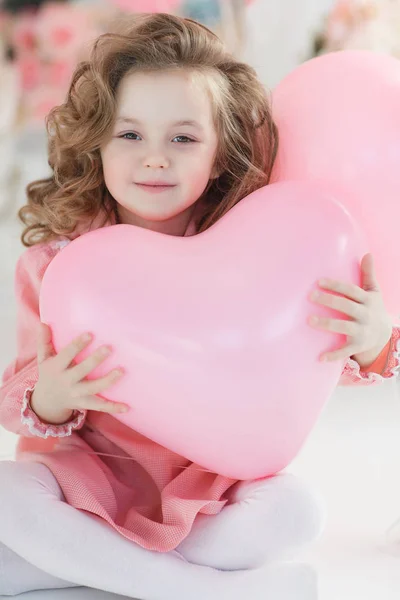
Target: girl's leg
(80, 547)
(18, 576)
(283, 581)
(265, 520)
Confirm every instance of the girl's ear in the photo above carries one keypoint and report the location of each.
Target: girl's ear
(216, 172)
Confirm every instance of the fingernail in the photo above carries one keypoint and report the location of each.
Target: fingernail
(86, 337)
(124, 408)
(313, 320)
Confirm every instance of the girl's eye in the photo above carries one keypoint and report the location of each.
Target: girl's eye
(130, 133)
(183, 139)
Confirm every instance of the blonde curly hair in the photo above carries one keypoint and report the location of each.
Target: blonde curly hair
(76, 193)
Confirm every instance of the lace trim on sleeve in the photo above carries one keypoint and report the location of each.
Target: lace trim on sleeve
(392, 367)
(45, 430)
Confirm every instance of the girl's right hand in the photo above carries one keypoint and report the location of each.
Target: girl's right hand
(61, 387)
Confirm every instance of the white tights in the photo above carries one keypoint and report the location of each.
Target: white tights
(47, 544)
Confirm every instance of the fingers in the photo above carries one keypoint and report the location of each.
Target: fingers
(87, 394)
(100, 405)
(96, 386)
(80, 371)
(351, 291)
(341, 354)
(349, 328)
(369, 279)
(89, 389)
(82, 393)
(344, 305)
(45, 348)
(66, 355)
(86, 391)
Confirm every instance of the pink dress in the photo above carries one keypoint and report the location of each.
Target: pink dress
(146, 492)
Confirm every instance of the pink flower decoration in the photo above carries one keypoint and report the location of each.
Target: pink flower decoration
(24, 34)
(30, 69)
(62, 31)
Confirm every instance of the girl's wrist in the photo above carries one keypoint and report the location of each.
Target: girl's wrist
(58, 418)
(365, 359)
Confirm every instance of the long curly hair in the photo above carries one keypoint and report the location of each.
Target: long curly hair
(76, 194)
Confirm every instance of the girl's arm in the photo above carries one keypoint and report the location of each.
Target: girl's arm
(21, 375)
(386, 366)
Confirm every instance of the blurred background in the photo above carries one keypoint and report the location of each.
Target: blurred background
(353, 455)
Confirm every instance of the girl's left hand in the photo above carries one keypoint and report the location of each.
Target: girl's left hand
(370, 326)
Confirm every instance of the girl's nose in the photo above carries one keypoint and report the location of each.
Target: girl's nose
(156, 161)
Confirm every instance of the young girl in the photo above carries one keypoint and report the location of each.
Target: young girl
(161, 129)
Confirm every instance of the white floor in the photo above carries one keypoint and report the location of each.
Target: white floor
(353, 456)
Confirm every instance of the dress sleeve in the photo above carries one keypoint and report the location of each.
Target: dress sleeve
(386, 366)
(20, 377)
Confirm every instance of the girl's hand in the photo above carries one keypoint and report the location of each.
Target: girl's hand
(369, 328)
(62, 387)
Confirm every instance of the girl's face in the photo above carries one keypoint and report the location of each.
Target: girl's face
(161, 152)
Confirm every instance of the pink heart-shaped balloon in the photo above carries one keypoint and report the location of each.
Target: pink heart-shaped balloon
(221, 364)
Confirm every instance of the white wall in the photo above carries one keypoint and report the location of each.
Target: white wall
(281, 35)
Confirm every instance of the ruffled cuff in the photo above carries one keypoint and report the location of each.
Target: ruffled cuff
(353, 374)
(45, 430)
